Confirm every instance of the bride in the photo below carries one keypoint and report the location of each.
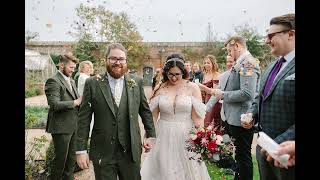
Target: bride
(176, 107)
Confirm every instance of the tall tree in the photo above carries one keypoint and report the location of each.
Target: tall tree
(255, 44)
(98, 24)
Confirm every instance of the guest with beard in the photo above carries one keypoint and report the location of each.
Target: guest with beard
(116, 99)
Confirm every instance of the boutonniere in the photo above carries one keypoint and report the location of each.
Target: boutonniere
(98, 77)
(132, 83)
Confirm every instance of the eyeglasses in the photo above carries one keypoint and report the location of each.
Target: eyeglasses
(270, 36)
(177, 75)
(121, 60)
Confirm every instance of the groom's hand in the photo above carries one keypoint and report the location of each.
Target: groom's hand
(83, 160)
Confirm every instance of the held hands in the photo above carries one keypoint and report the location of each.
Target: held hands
(148, 143)
(78, 101)
(83, 160)
(217, 93)
(246, 120)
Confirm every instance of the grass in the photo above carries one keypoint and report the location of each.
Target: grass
(35, 117)
(219, 174)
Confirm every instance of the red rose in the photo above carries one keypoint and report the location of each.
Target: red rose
(197, 141)
(200, 134)
(212, 146)
(209, 134)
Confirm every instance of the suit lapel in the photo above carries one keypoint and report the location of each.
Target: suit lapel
(223, 79)
(106, 91)
(280, 76)
(75, 90)
(129, 91)
(64, 82)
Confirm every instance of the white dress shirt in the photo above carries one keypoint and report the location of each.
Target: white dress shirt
(289, 57)
(67, 79)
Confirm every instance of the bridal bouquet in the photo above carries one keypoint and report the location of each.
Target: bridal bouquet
(210, 144)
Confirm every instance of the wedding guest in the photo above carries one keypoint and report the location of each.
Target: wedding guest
(274, 108)
(229, 62)
(197, 73)
(64, 101)
(187, 65)
(238, 94)
(211, 80)
(157, 78)
(86, 69)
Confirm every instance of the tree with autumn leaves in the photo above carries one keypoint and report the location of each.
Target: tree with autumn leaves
(96, 27)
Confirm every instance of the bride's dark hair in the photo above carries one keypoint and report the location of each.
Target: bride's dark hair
(174, 60)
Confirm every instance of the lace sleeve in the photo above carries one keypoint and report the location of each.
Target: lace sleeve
(154, 103)
(199, 107)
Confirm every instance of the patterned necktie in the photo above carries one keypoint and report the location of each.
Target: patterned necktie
(273, 75)
(117, 92)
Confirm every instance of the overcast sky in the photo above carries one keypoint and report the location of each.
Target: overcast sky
(159, 20)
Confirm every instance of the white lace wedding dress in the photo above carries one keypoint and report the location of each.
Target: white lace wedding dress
(168, 159)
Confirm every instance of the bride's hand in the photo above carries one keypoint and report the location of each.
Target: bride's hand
(148, 143)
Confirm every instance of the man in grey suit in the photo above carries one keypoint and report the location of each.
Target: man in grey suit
(237, 93)
(64, 101)
(274, 107)
(116, 99)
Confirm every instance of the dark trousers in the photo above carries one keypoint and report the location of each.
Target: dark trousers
(121, 166)
(65, 158)
(243, 140)
(268, 171)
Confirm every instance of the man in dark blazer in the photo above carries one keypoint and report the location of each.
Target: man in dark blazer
(274, 108)
(63, 100)
(116, 99)
(238, 92)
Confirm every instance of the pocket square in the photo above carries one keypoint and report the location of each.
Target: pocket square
(291, 77)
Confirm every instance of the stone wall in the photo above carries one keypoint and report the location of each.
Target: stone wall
(158, 51)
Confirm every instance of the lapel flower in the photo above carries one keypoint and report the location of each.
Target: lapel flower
(132, 83)
(98, 77)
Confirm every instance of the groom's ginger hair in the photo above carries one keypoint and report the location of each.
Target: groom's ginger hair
(115, 46)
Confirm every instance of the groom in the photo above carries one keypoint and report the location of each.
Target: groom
(116, 100)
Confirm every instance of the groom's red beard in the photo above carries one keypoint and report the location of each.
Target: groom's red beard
(117, 70)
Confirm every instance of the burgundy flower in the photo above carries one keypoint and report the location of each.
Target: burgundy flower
(212, 146)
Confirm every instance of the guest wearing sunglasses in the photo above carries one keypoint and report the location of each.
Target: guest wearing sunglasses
(274, 108)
